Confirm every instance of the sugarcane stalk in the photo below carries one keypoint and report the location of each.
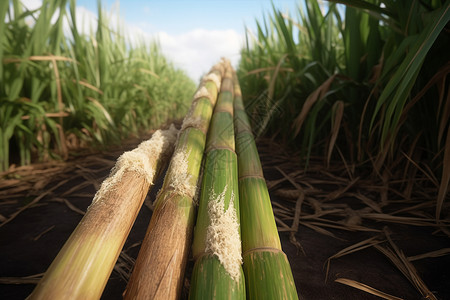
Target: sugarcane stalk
(82, 267)
(267, 271)
(216, 249)
(159, 269)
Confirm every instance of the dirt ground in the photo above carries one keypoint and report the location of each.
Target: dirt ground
(41, 205)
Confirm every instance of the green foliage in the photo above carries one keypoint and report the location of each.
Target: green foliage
(62, 88)
(289, 60)
(373, 85)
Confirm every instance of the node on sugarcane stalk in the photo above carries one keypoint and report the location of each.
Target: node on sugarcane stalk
(159, 268)
(82, 267)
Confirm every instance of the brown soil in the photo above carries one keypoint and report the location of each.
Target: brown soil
(54, 196)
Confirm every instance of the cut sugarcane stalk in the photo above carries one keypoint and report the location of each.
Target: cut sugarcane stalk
(159, 268)
(267, 271)
(82, 267)
(217, 272)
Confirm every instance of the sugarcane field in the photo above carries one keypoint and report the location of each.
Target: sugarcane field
(255, 149)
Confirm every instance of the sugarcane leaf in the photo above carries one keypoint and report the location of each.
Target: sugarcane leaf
(365, 5)
(352, 40)
(4, 5)
(337, 115)
(317, 95)
(399, 86)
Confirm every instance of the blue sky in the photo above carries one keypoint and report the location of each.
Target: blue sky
(193, 34)
(178, 16)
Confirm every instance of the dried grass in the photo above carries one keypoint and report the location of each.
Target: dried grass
(32, 279)
(366, 288)
(327, 199)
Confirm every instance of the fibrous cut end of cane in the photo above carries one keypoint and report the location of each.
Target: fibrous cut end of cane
(141, 160)
(181, 180)
(202, 93)
(222, 235)
(214, 78)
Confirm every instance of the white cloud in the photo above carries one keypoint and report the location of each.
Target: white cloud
(198, 50)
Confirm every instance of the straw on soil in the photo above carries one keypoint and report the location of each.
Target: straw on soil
(336, 198)
(366, 288)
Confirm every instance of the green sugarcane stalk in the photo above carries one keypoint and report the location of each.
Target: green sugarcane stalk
(267, 271)
(159, 268)
(82, 267)
(217, 272)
